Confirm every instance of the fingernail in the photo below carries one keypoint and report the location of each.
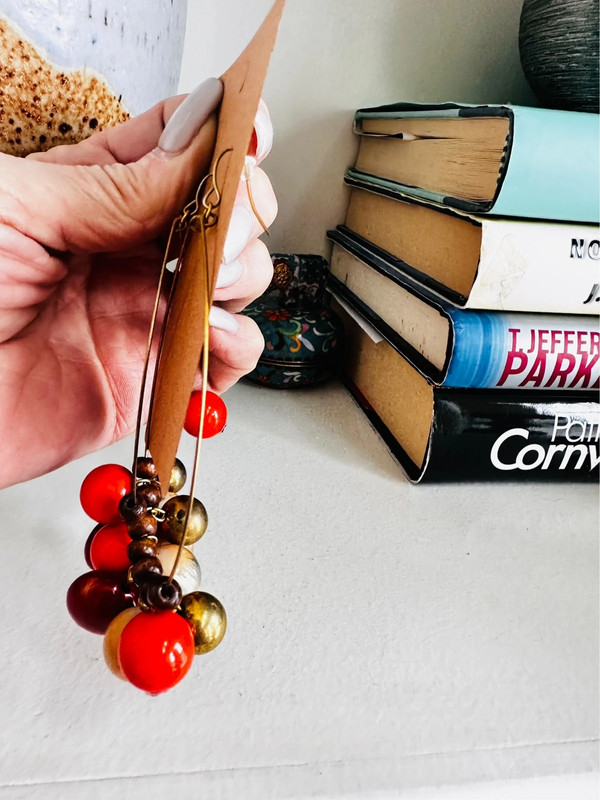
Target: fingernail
(229, 273)
(219, 318)
(264, 132)
(238, 234)
(190, 116)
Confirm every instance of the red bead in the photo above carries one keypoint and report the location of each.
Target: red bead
(108, 550)
(253, 146)
(156, 650)
(88, 544)
(102, 490)
(95, 599)
(215, 415)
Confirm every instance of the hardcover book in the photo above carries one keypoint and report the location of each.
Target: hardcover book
(445, 434)
(468, 349)
(507, 160)
(477, 261)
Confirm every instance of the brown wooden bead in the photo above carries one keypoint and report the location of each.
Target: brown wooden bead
(142, 548)
(131, 508)
(140, 571)
(149, 493)
(161, 593)
(145, 525)
(145, 468)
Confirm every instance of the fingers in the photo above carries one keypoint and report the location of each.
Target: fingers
(233, 355)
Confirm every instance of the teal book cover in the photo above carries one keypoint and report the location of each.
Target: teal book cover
(549, 167)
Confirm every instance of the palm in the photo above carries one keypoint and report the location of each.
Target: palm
(77, 366)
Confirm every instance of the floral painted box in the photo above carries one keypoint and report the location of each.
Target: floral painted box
(303, 337)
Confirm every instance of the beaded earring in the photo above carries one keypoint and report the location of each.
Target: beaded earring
(142, 592)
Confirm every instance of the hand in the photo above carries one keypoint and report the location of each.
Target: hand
(81, 228)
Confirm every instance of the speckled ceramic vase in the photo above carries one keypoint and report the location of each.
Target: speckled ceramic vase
(70, 67)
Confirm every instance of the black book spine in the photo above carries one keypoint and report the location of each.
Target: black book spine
(496, 435)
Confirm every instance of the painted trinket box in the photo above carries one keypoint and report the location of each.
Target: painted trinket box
(303, 337)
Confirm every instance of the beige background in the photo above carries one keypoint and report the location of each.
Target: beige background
(334, 56)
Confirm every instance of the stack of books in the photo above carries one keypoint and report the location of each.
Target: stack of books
(468, 271)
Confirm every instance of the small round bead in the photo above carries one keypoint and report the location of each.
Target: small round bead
(145, 468)
(102, 490)
(208, 619)
(149, 493)
(156, 650)
(140, 571)
(95, 599)
(88, 544)
(215, 415)
(131, 509)
(145, 525)
(112, 637)
(187, 574)
(173, 525)
(162, 593)
(108, 549)
(142, 548)
(178, 477)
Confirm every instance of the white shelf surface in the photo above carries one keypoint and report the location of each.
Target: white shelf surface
(382, 637)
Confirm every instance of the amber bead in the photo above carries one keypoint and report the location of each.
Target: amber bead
(208, 619)
(131, 508)
(173, 525)
(161, 593)
(149, 493)
(142, 548)
(178, 477)
(145, 525)
(140, 571)
(112, 637)
(145, 468)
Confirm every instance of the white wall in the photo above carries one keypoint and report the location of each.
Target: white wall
(333, 56)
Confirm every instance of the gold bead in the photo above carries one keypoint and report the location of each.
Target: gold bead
(112, 637)
(187, 573)
(208, 619)
(178, 477)
(172, 526)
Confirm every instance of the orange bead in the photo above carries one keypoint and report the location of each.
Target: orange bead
(102, 490)
(215, 415)
(156, 649)
(108, 548)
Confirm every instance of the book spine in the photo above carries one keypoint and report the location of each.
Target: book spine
(524, 351)
(553, 167)
(538, 266)
(494, 435)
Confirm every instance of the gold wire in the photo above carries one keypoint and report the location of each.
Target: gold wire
(161, 341)
(205, 350)
(138, 424)
(251, 199)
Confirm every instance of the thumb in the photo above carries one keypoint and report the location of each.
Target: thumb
(105, 207)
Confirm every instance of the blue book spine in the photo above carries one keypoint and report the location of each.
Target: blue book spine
(523, 351)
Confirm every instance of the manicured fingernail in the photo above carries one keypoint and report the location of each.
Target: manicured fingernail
(264, 132)
(229, 273)
(238, 234)
(190, 116)
(219, 318)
